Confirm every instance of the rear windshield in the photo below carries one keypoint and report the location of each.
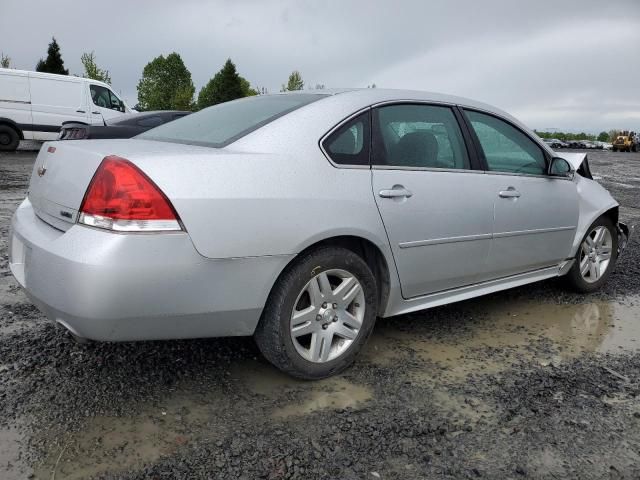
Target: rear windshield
(225, 123)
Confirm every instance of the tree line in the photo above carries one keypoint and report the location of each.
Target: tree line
(609, 136)
(166, 82)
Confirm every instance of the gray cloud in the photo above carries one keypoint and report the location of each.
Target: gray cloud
(565, 64)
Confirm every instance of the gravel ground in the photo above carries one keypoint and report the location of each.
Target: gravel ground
(531, 383)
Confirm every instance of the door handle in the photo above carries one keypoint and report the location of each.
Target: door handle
(96, 113)
(509, 193)
(80, 111)
(397, 191)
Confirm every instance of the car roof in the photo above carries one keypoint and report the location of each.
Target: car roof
(372, 96)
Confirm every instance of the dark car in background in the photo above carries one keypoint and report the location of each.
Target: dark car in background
(555, 143)
(124, 126)
(577, 144)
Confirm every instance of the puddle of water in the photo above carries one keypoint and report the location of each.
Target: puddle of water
(509, 330)
(12, 465)
(332, 393)
(112, 444)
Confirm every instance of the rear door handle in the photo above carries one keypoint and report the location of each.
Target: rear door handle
(398, 191)
(80, 111)
(509, 193)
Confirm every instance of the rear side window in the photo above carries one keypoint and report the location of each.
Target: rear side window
(418, 136)
(506, 148)
(349, 144)
(225, 123)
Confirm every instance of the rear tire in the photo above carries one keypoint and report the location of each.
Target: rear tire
(312, 329)
(592, 268)
(9, 139)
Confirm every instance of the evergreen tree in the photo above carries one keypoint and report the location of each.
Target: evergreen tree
(226, 85)
(5, 60)
(54, 62)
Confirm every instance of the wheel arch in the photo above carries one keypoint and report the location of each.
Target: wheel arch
(371, 253)
(610, 211)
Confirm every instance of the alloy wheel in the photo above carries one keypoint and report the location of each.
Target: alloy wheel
(595, 254)
(327, 315)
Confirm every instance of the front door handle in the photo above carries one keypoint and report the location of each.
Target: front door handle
(96, 113)
(398, 191)
(509, 193)
(80, 111)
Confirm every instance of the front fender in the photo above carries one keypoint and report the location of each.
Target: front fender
(594, 200)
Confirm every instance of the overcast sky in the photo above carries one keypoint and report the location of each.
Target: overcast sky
(568, 64)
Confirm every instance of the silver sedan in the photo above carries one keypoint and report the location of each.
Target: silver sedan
(301, 218)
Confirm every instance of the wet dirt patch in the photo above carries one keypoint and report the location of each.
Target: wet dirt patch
(12, 464)
(294, 397)
(112, 444)
(502, 332)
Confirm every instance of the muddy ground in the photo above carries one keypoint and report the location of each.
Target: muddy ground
(530, 383)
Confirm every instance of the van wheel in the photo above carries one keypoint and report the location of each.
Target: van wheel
(319, 314)
(9, 139)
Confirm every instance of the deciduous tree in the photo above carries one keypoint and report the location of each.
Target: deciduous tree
(166, 85)
(91, 69)
(295, 82)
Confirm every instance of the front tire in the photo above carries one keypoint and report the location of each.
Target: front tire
(319, 314)
(596, 257)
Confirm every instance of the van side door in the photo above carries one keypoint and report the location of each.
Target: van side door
(53, 101)
(104, 104)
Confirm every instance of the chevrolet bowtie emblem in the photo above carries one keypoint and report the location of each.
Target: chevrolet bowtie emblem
(41, 171)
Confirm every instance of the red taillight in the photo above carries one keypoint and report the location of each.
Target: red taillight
(121, 197)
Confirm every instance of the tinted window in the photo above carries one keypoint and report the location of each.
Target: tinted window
(105, 98)
(150, 121)
(506, 148)
(349, 144)
(422, 136)
(225, 123)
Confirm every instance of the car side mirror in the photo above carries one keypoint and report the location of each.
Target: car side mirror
(561, 168)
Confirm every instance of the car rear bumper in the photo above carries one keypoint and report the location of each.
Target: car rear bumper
(115, 287)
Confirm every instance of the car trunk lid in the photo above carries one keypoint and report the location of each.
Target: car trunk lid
(64, 169)
(59, 180)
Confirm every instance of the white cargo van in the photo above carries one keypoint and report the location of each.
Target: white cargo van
(33, 105)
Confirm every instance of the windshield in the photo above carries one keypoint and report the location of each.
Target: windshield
(225, 123)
